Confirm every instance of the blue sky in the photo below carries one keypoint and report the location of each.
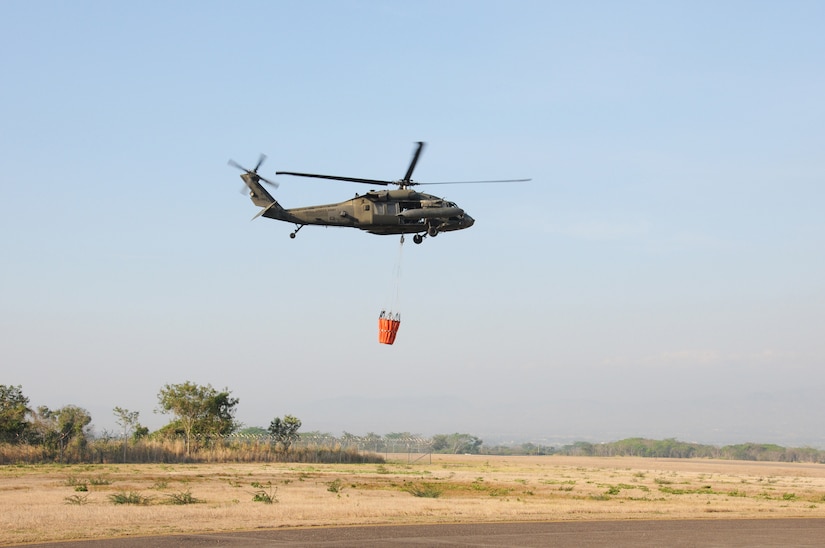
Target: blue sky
(661, 275)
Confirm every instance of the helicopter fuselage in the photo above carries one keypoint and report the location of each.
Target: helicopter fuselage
(402, 211)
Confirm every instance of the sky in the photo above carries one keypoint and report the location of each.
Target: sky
(661, 275)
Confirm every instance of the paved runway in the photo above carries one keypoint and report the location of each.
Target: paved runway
(693, 533)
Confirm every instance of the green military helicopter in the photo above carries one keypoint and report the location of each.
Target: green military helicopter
(399, 211)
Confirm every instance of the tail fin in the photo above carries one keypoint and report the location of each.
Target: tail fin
(260, 197)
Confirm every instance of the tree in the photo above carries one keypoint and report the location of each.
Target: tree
(43, 428)
(373, 441)
(62, 429)
(140, 432)
(128, 421)
(71, 424)
(14, 407)
(456, 443)
(199, 410)
(580, 448)
(285, 431)
(220, 419)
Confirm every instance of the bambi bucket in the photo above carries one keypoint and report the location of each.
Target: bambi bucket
(388, 327)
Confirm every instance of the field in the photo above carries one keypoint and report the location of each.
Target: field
(53, 502)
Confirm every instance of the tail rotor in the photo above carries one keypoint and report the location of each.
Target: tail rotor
(253, 173)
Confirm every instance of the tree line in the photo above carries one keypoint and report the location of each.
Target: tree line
(203, 428)
(203, 418)
(673, 449)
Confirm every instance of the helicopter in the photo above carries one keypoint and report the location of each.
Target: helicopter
(396, 211)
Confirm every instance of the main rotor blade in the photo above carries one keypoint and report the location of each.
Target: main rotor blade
(416, 154)
(337, 178)
(477, 182)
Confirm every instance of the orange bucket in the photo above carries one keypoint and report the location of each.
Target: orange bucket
(388, 327)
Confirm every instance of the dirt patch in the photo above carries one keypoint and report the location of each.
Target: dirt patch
(50, 502)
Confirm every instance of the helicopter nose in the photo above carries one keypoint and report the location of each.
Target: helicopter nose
(468, 221)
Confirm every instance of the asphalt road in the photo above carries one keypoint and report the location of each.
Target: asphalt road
(693, 533)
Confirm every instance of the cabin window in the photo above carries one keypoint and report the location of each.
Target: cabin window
(389, 208)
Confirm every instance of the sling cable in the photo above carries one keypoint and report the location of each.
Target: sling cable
(389, 321)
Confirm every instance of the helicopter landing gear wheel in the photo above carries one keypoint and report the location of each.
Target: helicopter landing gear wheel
(418, 238)
(295, 232)
(432, 231)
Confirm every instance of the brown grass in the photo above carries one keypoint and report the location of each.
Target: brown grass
(43, 503)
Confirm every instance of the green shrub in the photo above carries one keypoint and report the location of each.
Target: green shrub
(425, 490)
(183, 497)
(131, 497)
(334, 486)
(265, 493)
(76, 499)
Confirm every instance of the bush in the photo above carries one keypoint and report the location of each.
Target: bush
(425, 490)
(128, 498)
(77, 499)
(183, 497)
(265, 493)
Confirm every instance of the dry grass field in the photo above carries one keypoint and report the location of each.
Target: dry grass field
(52, 502)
